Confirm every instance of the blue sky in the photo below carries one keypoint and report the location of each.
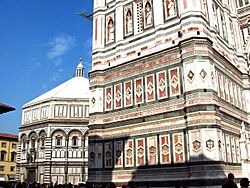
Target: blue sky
(40, 45)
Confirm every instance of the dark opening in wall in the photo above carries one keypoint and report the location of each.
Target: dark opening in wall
(179, 34)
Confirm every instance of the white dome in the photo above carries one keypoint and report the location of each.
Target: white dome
(75, 88)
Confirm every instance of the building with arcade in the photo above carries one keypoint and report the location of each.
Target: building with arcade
(53, 139)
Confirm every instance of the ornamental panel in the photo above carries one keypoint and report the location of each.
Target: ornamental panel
(152, 150)
(196, 145)
(140, 152)
(139, 92)
(210, 144)
(108, 155)
(118, 155)
(128, 93)
(174, 79)
(178, 147)
(165, 149)
(108, 98)
(118, 96)
(129, 153)
(150, 88)
(161, 85)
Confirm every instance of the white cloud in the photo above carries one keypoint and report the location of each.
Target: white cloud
(57, 75)
(60, 45)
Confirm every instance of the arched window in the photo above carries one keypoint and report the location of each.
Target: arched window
(24, 144)
(42, 141)
(58, 141)
(3, 155)
(74, 141)
(33, 141)
(13, 157)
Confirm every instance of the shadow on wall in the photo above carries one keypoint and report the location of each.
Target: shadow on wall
(199, 171)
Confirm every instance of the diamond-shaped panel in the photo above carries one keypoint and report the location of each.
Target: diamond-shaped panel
(150, 88)
(118, 96)
(190, 76)
(203, 74)
(174, 81)
(162, 85)
(138, 91)
(108, 98)
(128, 93)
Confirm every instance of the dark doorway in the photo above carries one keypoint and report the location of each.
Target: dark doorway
(31, 175)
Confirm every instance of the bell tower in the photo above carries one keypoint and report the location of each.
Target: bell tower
(167, 92)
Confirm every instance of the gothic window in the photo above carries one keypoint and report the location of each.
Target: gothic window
(3, 155)
(74, 141)
(58, 141)
(170, 8)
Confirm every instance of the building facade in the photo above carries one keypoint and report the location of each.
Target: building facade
(53, 137)
(169, 99)
(8, 154)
